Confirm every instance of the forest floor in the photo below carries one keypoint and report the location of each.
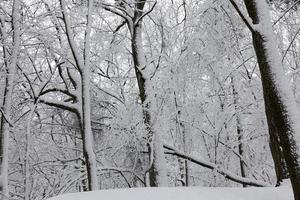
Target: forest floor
(185, 193)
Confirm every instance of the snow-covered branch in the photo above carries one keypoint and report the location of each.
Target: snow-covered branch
(59, 104)
(66, 92)
(227, 174)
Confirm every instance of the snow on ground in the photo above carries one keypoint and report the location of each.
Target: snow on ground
(181, 193)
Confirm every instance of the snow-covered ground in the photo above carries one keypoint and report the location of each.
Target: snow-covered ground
(190, 193)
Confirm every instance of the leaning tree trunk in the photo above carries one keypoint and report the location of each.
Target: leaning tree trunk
(157, 172)
(7, 101)
(280, 107)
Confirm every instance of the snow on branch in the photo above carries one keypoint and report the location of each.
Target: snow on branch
(63, 91)
(227, 174)
(59, 104)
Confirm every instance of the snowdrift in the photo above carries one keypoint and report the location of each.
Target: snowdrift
(181, 193)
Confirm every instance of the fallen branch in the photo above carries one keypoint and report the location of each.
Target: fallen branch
(227, 174)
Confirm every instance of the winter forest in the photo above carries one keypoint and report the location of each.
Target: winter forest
(110, 94)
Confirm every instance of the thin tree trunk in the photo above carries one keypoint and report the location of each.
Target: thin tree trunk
(239, 128)
(87, 137)
(28, 147)
(7, 102)
(180, 127)
(281, 109)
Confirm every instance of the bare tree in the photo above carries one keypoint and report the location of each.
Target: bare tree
(76, 88)
(157, 171)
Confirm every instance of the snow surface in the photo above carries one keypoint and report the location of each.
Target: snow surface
(185, 193)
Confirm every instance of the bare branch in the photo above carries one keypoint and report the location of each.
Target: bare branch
(6, 118)
(145, 13)
(292, 6)
(118, 12)
(74, 49)
(242, 16)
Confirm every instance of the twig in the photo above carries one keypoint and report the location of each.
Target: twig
(6, 118)
(285, 13)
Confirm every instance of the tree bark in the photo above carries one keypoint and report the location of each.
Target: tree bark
(280, 107)
(277, 155)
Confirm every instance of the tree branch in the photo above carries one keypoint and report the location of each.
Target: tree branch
(66, 92)
(212, 166)
(73, 46)
(121, 13)
(146, 13)
(62, 105)
(6, 118)
(242, 16)
(285, 13)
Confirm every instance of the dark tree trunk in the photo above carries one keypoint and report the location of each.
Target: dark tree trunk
(157, 175)
(277, 155)
(279, 118)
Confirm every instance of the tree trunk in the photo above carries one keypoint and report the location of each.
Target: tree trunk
(84, 114)
(7, 101)
(87, 137)
(280, 107)
(157, 172)
(239, 128)
(28, 147)
(277, 155)
(181, 132)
